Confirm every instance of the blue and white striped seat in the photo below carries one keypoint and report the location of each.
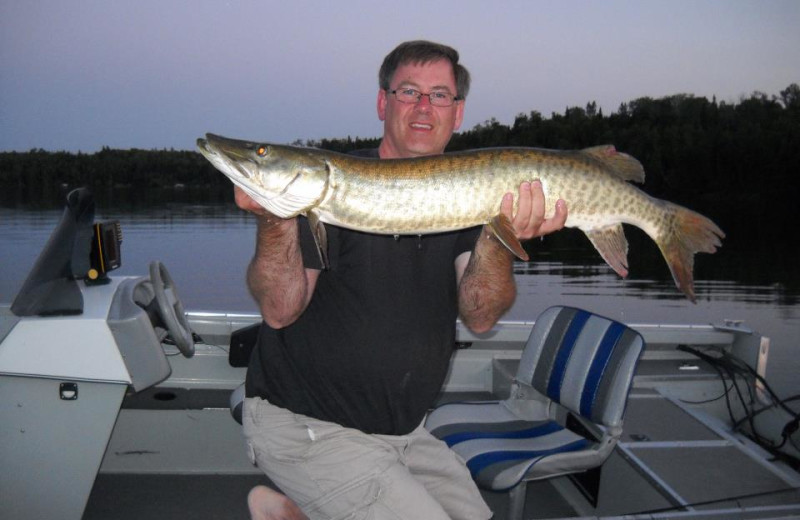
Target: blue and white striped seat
(575, 363)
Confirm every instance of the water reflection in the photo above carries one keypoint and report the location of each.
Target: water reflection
(598, 278)
(126, 198)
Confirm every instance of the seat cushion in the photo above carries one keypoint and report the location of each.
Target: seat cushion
(500, 448)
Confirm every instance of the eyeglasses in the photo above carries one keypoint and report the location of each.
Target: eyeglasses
(437, 98)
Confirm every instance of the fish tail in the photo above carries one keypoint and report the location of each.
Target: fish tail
(686, 233)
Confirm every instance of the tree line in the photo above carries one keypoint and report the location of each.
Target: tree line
(736, 162)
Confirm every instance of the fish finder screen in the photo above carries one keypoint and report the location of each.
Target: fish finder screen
(106, 252)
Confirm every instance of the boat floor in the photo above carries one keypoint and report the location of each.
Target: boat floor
(212, 497)
(667, 462)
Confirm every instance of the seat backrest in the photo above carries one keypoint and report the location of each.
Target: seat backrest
(582, 361)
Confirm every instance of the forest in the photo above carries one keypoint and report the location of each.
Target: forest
(736, 162)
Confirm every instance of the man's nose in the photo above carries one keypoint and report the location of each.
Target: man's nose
(424, 102)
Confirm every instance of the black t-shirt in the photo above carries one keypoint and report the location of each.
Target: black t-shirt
(372, 348)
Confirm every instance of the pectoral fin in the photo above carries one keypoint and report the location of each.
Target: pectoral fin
(502, 229)
(320, 237)
(612, 245)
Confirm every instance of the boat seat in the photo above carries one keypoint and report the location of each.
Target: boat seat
(564, 414)
(237, 403)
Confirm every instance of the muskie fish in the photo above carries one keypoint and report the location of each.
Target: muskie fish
(459, 190)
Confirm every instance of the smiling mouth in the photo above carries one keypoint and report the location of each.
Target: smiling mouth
(421, 126)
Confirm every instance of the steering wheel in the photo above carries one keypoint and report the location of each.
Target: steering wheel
(170, 308)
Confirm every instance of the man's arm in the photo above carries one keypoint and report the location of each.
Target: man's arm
(276, 277)
(486, 287)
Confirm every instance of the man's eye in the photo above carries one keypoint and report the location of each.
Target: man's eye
(408, 92)
(439, 95)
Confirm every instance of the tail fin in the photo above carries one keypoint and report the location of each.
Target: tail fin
(687, 233)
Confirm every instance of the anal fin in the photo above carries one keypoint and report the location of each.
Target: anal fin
(502, 229)
(612, 245)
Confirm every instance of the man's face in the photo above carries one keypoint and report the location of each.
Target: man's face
(412, 130)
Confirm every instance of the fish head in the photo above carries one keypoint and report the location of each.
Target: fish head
(285, 180)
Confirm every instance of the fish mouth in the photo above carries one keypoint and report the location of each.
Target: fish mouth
(230, 156)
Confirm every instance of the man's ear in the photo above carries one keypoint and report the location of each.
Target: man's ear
(459, 115)
(382, 101)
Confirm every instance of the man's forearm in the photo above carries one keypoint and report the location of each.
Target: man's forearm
(276, 276)
(487, 289)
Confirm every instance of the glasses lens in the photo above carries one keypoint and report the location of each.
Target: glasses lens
(407, 95)
(441, 99)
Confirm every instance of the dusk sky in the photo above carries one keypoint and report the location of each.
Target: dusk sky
(80, 75)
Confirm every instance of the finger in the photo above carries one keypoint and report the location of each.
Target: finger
(560, 218)
(522, 217)
(557, 221)
(537, 204)
(245, 202)
(242, 199)
(507, 205)
(535, 216)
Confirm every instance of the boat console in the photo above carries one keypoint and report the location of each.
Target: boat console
(72, 344)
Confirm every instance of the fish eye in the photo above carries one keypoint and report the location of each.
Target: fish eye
(262, 150)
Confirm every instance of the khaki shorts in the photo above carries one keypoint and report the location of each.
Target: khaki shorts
(334, 473)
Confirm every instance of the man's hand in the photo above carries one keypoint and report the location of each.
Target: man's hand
(246, 203)
(529, 221)
(266, 219)
(267, 504)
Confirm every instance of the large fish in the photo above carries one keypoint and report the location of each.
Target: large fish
(459, 190)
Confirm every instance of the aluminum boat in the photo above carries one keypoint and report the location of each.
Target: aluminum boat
(116, 403)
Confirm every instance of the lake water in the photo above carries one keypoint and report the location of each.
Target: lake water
(207, 247)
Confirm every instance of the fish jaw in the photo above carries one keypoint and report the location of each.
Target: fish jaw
(284, 180)
(231, 157)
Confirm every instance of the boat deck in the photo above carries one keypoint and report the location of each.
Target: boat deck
(668, 463)
(677, 457)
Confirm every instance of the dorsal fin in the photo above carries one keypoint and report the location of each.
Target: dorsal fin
(621, 164)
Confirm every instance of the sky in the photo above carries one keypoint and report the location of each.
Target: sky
(78, 75)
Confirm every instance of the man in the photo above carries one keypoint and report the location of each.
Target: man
(349, 359)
